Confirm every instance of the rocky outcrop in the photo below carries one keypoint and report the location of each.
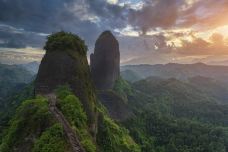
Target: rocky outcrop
(65, 63)
(117, 108)
(105, 69)
(105, 61)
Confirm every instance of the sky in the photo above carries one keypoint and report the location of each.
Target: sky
(148, 31)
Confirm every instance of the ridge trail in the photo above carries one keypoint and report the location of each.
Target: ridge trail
(72, 137)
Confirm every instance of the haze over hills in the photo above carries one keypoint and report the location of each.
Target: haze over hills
(12, 79)
(175, 70)
(64, 114)
(178, 71)
(162, 108)
(114, 76)
(31, 67)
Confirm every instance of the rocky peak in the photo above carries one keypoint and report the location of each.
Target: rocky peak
(105, 61)
(65, 63)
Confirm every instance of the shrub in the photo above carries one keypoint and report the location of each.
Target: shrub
(112, 138)
(72, 109)
(52, 140)
(122, 88)
(30, 119)
(63, 41)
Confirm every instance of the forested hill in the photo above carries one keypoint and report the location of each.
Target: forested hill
(175, 116)
(178, 71)
(160, 108)
(64, 115)
(13, 78)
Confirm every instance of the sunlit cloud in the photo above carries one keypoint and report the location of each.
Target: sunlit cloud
(112, 1)
(158, 31)
(15, 56)
(127, 31)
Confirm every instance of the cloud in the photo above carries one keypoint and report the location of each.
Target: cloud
(84, 17)
(88, 18)
(26, 23)
(37, 16)
(173, 14)
(205, 15)
(15, 56)
(158, 49)
(155, 14)
(198, 46)
(49, 16)
(18, 38)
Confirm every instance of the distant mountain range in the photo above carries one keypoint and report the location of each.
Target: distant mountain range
(172, 70)
(195, 89)
(13, 79)
(31, 67)
(164, 108)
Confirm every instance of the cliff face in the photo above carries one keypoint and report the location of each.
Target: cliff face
(105, 61)
(65, 63)
(105, 69)
(66, 118)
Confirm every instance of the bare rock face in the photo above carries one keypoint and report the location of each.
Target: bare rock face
(105, 61)
(65, 63)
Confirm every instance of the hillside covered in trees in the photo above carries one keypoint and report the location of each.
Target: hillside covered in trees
(62, 110)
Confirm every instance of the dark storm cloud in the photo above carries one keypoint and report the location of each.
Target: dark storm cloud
(44, 16)
(47, 16)
(86, 18)
(155, 14)
(36, 15)
(112, 16)
(33, 16)
(18, 38)
(25, 22)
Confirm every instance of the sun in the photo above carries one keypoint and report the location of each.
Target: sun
(112, 1)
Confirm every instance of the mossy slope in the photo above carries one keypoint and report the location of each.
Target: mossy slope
(30, 128)
(65, 63)
(33, 128)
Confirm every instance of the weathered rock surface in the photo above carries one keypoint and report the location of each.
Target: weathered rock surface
(105, 61)
(67, 67)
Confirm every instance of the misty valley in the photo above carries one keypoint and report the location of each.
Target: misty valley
(113, 75)
(63, 104)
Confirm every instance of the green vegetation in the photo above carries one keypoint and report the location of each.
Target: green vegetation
(13, 90)
(72, 109)
(52, 140)
(33, 129)
(63, 41)
(14, 74)
(111, 137)
(181, 100)
(159, 133)
(122, 88)
(30, 119)
(130, 76)
(12, 79)
(170, 116)
(8, 108)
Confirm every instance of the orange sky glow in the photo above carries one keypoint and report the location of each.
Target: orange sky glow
(148, 31)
